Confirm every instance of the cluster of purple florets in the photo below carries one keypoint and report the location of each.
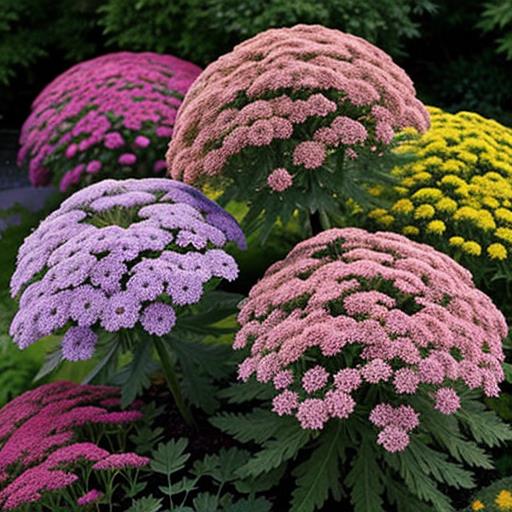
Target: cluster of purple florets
(118, 254)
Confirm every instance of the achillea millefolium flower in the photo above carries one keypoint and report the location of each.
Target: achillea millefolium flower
(116, 255)
(285, 113)
(351, 319)
(43, 447)
(457, 192)
(109, 115)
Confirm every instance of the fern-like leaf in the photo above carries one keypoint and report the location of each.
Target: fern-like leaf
(320, 475)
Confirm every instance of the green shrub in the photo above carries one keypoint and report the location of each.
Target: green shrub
(203, 30)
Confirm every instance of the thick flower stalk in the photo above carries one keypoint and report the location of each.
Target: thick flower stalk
(352, 319)
(106, 116)
(457, 193)
(116, 255)
(44, 450)
(286, 112)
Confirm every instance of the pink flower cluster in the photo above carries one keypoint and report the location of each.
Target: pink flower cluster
(115, 109)
(348, 309)
(307, 91)
(40, 446)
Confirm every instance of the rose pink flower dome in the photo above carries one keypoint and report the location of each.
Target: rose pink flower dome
(101, 110)
(348, 311)
(298, 100)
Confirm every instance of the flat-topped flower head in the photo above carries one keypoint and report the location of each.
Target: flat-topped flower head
(456, 194)
(116, 255)
(288, 112)
(348, 310)
(43, 448)
(109, 115)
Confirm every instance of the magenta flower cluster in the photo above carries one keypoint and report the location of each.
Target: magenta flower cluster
(41, 449)
(347, 310)
(108, 115)
(117, 254)
(296, 95)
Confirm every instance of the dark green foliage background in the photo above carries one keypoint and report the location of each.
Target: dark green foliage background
(457, 52)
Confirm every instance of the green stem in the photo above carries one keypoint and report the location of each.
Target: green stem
(170, 376)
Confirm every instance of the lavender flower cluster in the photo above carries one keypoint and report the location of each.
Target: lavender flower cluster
(117, 254)
(112, 113)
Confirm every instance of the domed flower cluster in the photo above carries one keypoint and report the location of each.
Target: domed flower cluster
(457, 193)
(117, 254)
(109, 115)
(42, 450)
(348, 311)
(287, 103)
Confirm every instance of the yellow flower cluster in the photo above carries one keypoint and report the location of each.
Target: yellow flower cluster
(456, 192)
(503, 502)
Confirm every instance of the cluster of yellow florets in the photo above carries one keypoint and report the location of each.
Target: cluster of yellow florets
(456, 194)
(502, 502)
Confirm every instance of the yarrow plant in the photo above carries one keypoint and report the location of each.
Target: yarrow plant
(374, 332)
(46, 458)
(107, 117)
(457, 193)
(290, 116)
(121, 259)
(495, 498)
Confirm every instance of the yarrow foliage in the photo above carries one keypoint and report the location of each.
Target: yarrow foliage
(349, 311)
(457, 193)
(283, 110)
(107, 115)
(42, 450)
(118, 254)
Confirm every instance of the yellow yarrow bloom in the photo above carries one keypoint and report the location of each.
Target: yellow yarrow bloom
(456, 241)
(460, 181)
(403, 206)
(410, 231)
(477, 505)
(436, 227)
(472, 248)
(497, 251)
(504, 500)
(424, 211)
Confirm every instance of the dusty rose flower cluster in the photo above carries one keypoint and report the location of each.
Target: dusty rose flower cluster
(300, 98)
(111, 114)
(41, 450)
(118, 254)
(348, 310)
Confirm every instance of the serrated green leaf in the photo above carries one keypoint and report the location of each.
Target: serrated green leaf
(366, 479)
(170, 457)
(146, 504)
(206, 502)
(135, 376)
(247, 392)
(258, 425)
(52, 361)
(320, 475)
(250, 505)
(285, 445)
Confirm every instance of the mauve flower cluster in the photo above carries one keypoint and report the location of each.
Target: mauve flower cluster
(298, 96)
(111, 111)
(41, 449)
(115, 254)
(347, 310)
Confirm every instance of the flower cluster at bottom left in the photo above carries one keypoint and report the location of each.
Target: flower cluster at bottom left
(44, 458)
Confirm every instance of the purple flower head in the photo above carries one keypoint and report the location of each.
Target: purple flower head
(118, 255)
(77, 117)
(78, 344)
